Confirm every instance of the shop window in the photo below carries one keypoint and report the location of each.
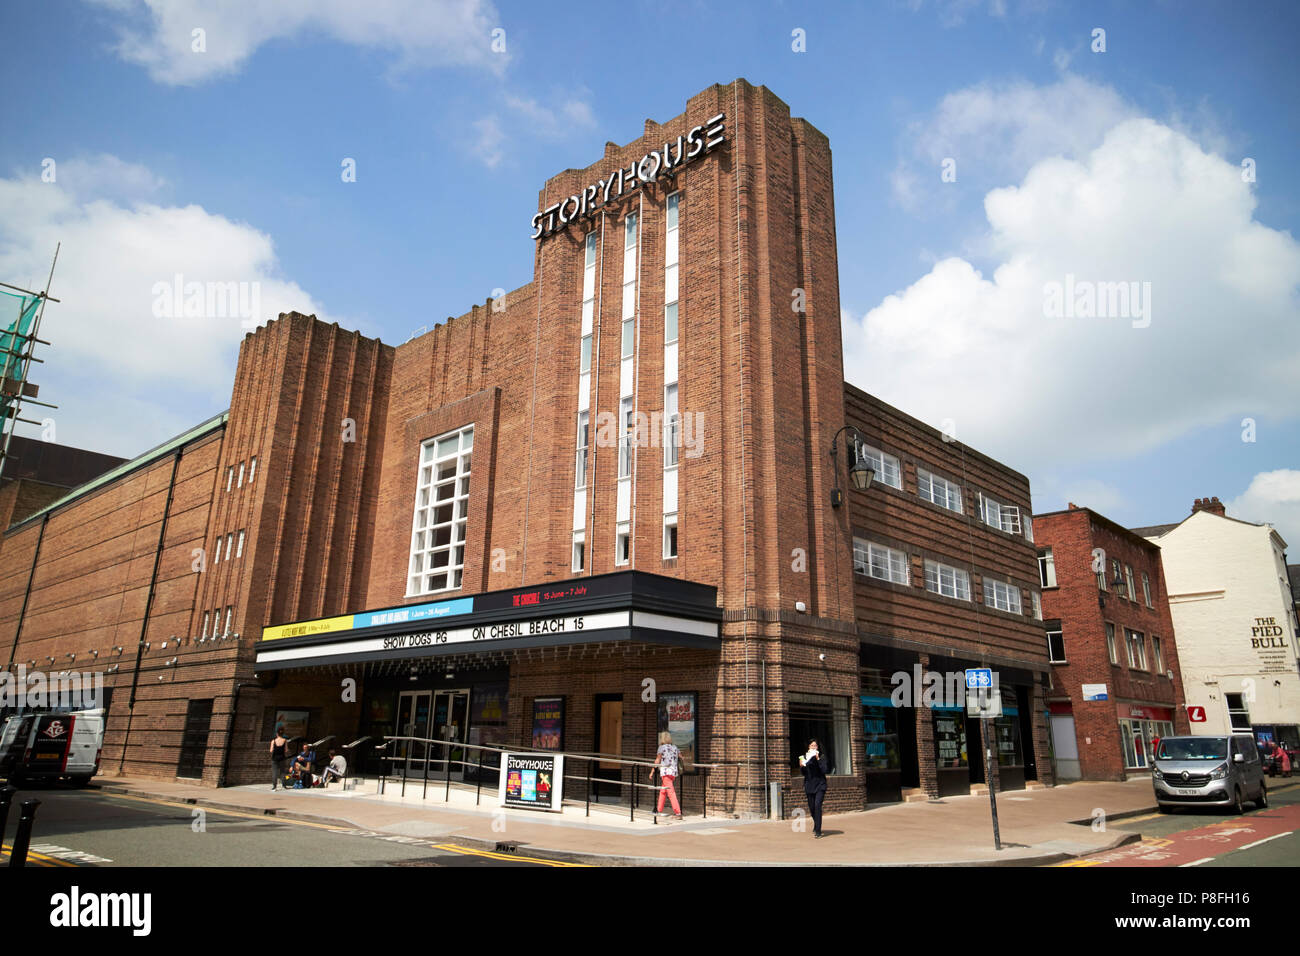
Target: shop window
(880, 735)
(441, 513)
(1006, 733)
(826, 720)
(950, 739)
(1056, 647)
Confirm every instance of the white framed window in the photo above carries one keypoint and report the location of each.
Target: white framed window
(230, 545)
(1003, 517)
(230, 617)
(1146, 589)
(626, 424)
(230, 482)
(239, 545)
(441, 513)
(1029, 527)
(239, 482)
(1111, 650)
(940, 491)
(1114, 568)
(584, 360)
(629, 337)
(1003, 596)
(947, 580)
(1238, 713)
(881, 562)
(623, 544)
(206, 616)
(670, 323)
(216, 623)
(1047, 568)
(670, 536)
(1128, 576)
(1038, 605)
(579, 550)
(629, 271)
(1137, 649)
(885, 466)
(672, 426)
(1056, 647)
(671, 268)
(584, 437)
(216, 559)
(1157, 655)
(252, 468)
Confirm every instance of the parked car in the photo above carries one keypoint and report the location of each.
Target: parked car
(52, 746)
(1208, 771)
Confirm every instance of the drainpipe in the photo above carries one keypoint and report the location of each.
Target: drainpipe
(148, 604)
(230, 732)
(31, 576)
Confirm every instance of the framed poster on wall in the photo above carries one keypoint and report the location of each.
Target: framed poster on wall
(677, 714)
(548, 723)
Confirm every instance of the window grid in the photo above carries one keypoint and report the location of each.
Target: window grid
(881, 562)
(1047, 569)
(947, 580)
(1003, 596)
(938, 490)
(886, 467)
(1146, 588)
(441, 513)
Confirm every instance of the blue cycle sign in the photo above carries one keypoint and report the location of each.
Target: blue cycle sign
(979, 677)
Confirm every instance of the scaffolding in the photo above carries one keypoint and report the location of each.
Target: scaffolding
(18, 340)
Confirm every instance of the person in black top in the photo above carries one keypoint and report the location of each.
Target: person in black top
(814, 783)
(279, 747)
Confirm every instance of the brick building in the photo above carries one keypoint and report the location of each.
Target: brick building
(39, 473)
(596, 507)
(1116, 683)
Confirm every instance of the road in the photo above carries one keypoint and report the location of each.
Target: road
(90, 828)
(1210, 837)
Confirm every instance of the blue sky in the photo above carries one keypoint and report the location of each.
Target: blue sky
(170, 160)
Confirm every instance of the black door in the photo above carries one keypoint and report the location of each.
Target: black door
(194, 744)
(1026, 715)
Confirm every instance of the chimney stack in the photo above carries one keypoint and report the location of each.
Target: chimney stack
(1212, 505)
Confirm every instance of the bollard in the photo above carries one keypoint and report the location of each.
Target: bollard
(23, 838)
(6, 797)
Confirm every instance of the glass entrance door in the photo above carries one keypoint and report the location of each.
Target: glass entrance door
(412, 721)
(451, 723)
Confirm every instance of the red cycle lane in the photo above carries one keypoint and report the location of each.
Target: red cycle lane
(1189, 846)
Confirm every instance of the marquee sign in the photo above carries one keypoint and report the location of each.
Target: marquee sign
(700, 141)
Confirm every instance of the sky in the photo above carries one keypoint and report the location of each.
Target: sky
(999, 165)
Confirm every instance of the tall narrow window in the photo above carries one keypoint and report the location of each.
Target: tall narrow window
(1047, 569)
(441, 513)
(1146, 589)
(579, 550)
(1111, 649)
(252, 468)
(580, 468)
(239, 482)
(230, 481)
(672, 426)
(206, 617)
(239, 545)
(230, 617)
(216, 558)
(625, 437)
(623, 544)
(670, 536)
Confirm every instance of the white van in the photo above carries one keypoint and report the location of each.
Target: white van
(50, 746)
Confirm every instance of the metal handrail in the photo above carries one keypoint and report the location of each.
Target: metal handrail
(608, 758)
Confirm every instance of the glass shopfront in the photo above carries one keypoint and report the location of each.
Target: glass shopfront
(951, 753)
(1139, 728)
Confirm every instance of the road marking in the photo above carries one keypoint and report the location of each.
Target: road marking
(454, 848)
(63, 853)
(40, 858)
(1275, 836)
(1204, 859)
(264, 817)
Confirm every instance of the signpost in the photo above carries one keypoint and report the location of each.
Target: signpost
(533, 781)
(984, 700)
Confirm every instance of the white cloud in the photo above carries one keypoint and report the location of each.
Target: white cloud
(1147, 205)
(488, 141)
(995, 132)
(123, 378)
(1273, 497)
(159, 34)
(527, 119)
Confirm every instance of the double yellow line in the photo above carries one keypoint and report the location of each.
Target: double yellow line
(40, 859)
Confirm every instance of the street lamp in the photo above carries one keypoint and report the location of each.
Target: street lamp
(860, 473)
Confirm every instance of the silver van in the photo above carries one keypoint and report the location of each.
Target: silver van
(1208, 771)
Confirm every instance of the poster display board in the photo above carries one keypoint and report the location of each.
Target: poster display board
(532, 781)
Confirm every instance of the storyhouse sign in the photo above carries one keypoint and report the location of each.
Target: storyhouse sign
(700, 141)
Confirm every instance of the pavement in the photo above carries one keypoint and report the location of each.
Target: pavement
(1047, 825)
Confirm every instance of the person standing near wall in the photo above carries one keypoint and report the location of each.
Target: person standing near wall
(814, 784)
(279, 747)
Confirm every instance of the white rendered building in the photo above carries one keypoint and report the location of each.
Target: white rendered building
(1234, 622)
